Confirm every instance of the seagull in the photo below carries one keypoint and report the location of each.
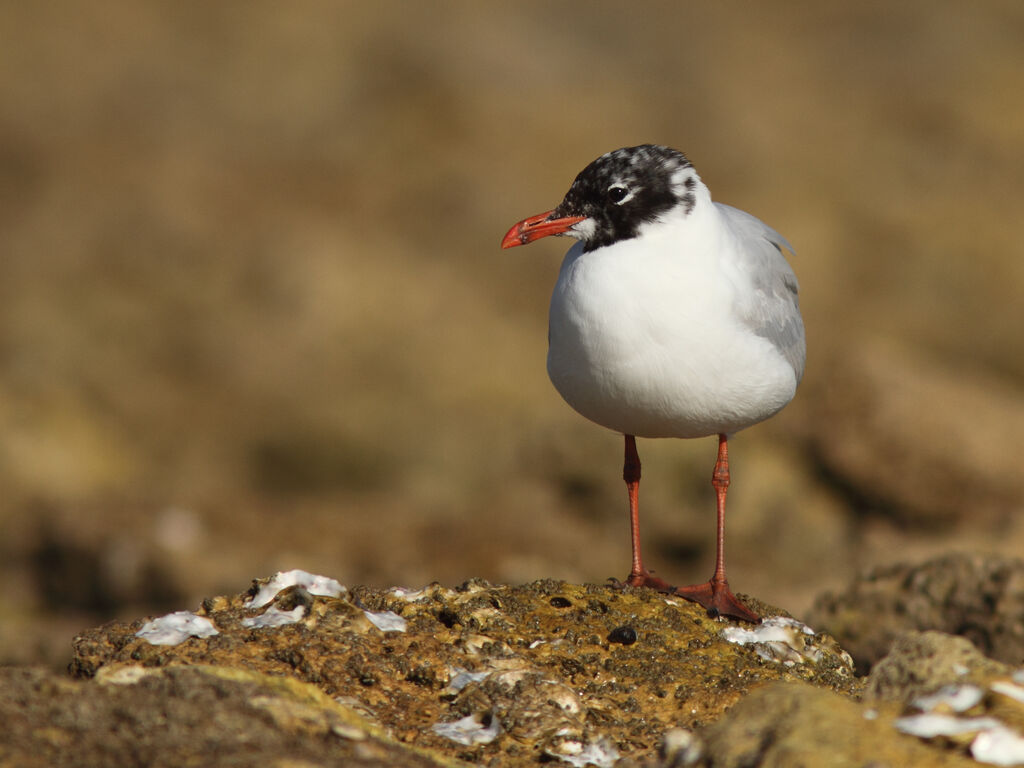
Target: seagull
(672, 316)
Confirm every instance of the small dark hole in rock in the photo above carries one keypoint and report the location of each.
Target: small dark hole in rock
(561, 602)
(448, 617)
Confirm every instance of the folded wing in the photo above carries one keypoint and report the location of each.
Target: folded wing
(772, 309)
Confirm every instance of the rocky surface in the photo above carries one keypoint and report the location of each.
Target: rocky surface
(935, 700)
(921, 663)
(978, 597)
(796, 725)
(486, 671)
(952, 697)
(302, 671)
(194, 715)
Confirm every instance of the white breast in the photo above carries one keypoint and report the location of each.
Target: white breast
(644, 339)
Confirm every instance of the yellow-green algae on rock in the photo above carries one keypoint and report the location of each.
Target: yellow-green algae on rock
(547, 668)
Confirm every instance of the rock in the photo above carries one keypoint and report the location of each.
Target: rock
(978, 597)
(301, 670)
(791, 724)
(935, 700)
(181, 715)
(921, 663)
(924, 441)
(486, 672)
(952, 698)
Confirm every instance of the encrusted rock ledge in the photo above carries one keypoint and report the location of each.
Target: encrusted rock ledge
(481, 672)
(301, 671)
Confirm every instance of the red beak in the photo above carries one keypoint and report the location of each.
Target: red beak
(536, 227)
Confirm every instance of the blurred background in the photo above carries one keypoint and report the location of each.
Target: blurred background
(254, 315)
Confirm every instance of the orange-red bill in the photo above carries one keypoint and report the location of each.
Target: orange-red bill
(536, 227)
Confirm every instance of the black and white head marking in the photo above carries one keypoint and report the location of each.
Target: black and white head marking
(625, 189)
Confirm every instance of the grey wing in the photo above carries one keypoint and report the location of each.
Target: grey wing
(773, 310)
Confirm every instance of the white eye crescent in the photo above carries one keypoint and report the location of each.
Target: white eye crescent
(619, 193)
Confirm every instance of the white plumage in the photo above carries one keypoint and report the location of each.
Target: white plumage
(657, 335)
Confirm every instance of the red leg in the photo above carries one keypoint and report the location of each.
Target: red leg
(715, 595)
(638, 575)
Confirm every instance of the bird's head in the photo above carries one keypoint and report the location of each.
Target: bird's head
(614, 197)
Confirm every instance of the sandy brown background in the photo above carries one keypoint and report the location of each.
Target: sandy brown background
(254, 316)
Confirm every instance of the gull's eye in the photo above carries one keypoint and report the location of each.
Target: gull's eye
(617, 193)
